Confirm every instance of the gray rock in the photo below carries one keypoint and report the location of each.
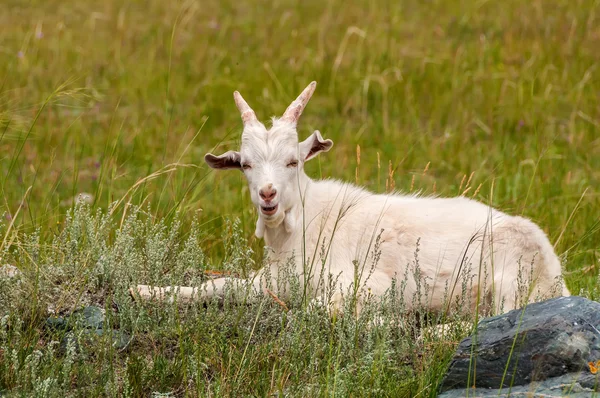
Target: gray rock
(57, 323)
(88, 322)
(573, 385)
(90, 317)
(546, 340)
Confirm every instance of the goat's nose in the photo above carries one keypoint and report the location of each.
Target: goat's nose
(267, 192)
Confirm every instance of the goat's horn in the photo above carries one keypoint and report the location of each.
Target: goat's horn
(248, 115)
(293, 112)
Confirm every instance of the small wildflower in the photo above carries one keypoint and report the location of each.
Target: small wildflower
(38, 31)
(20, 54)
(84, 197)
(594, 367)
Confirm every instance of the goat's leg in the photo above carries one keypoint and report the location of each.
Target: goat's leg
(204, 292)
(259, 232)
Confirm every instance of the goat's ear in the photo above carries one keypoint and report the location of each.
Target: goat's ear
(313, 145)
(228, 160)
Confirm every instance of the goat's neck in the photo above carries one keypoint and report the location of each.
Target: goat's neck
(283, 237)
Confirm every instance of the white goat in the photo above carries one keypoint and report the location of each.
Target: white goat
(344, 228)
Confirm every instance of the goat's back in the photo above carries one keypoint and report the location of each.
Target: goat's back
(440, 239)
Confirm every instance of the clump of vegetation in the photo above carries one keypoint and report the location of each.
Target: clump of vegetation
(260, 346)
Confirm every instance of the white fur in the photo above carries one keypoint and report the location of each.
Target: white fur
(336, 225)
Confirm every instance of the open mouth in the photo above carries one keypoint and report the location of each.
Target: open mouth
(269, 210)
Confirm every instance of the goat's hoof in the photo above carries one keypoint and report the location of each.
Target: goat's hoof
(140, 292)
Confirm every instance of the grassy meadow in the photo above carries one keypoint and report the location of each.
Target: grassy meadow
(495, 100)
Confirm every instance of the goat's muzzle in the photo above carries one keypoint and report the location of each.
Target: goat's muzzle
(267, 193)
(268, 209)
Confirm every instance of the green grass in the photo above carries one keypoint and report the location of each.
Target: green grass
(495, 99)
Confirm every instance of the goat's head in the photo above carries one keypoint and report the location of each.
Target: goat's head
(273, 159)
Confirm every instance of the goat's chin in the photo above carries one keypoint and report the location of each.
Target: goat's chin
(274, 220)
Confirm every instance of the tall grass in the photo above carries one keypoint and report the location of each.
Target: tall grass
(493, 100)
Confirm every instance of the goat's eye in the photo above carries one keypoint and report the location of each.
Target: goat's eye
(246, 166)
(292, 163)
